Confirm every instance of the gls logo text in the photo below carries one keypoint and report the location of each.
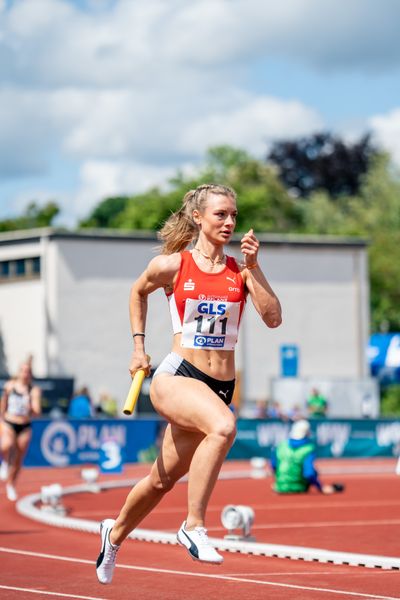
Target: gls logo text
(210, 308)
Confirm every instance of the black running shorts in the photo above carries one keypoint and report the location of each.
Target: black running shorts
(176, 365)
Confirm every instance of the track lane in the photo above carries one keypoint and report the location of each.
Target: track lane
(184, 579)
(178, 577)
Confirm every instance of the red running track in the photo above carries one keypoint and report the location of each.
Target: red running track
(38, 561)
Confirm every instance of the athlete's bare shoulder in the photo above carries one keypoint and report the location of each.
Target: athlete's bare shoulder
(9, 385)
(164, 267)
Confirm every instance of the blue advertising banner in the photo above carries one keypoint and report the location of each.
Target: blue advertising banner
(60, 443)
(289, 360)
(384, 357)
(332, 438)
(111, 458)
(110, 443)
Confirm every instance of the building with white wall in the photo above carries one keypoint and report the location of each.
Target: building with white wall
(64, 299)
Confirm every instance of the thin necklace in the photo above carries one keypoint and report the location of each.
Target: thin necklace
(213, 261)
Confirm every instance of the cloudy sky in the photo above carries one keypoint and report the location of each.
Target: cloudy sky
(102, 97)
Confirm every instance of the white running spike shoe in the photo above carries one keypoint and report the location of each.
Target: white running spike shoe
(11, 492)
(198, 545)
(108, 553)
(3, 470)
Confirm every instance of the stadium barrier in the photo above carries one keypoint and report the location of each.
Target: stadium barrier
(60, 443)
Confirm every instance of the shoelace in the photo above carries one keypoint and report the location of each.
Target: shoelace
(202, 531)
(110, 554)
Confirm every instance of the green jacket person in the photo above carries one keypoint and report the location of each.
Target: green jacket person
(317, 404)
(293, 464)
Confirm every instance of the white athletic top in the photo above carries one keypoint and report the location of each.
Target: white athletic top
(19, 405)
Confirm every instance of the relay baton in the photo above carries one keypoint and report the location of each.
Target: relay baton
(134, 390)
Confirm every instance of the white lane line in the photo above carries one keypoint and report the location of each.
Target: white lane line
(320, 504)
(50, 556)
(205, 575)
(32, 591)
(333, 524)
(82, 514)
(335, 573)
(266, 507)
(316, 524)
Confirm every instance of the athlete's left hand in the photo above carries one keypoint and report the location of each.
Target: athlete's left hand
(249, 246)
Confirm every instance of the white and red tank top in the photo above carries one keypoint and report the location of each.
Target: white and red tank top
(207, 307)
(19, 403)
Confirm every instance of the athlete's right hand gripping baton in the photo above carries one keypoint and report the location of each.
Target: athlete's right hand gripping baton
(134, 390)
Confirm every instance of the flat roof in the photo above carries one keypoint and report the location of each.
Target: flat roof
(36, 235)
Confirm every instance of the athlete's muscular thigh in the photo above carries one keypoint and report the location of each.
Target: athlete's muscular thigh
(8, 437)
(23, 440)
(189, 403)
(176, 453)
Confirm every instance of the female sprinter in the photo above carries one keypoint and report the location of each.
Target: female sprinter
(194, 384)
(20, 401)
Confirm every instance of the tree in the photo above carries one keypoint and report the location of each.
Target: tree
(373, 214)
(322, 162)
(370, 211)
(263, 199)
(380, 195)
(106, 213)
(34, 216)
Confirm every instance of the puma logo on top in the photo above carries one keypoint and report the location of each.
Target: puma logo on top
(231, 279)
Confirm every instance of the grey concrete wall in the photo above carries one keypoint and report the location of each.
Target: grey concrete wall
(22, 324)
(325, 305)
(76, 320)
(21, 311)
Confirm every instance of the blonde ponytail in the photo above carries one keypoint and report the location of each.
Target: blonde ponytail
(180, 229)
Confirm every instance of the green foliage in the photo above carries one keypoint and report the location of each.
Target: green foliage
(34, 216)
(376, 216)
(149, 211)
(390, 401)
(262, 198)
(265, 204)
(322, 216)
(223, 161)
(373, 213)
(106, 213)
(384, 267)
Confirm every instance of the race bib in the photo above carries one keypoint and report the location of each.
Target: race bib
(18, 404)
(210, 324)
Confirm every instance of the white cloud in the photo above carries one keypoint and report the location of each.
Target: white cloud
(251, 126)
(133, 89)
(34, 17)
(386, 129)
(62, 45)
(100, 179)
(321, 34)
(97, 180)
(137, 126)
(52, 42)
(40, 195)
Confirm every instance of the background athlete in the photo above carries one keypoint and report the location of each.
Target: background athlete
(193, 386)
(20, 401)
